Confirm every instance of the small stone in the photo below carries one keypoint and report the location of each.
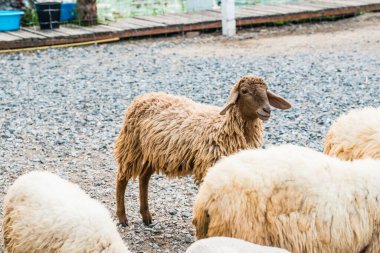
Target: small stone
(186, 214)
(188, 239)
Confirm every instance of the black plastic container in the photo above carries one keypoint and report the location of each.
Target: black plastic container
(49, 14)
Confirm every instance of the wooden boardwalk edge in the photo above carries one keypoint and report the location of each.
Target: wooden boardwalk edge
(307, 15)
(14, 40)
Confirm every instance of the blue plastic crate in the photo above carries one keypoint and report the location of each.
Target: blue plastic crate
(68, 11)
(10, 20)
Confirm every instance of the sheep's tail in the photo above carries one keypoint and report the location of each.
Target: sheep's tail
(201, 222)
(332, 148)
(127, 152)
(328, 145)
(7, 227)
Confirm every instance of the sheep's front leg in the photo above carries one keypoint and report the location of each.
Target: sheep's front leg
(143, 187)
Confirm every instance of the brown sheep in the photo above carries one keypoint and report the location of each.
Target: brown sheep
(176, 136)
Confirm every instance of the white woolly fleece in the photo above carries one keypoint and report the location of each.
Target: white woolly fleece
(230, 245)
(355, 135)
(44, 213)
(293, 198)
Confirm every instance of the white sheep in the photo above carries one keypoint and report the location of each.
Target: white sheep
(44, 214)
(176, 136)
(355, 135)
(293, 198)
(230, 245)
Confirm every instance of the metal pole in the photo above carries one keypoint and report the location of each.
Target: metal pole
(228, 17)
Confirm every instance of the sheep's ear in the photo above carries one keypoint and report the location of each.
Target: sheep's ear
(231, 100)
(278, 101)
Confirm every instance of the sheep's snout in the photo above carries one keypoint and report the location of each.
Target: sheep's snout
(264, 112)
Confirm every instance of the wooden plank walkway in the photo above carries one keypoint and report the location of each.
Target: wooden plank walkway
(184, 22)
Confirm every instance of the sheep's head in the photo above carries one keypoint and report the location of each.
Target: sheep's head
(251, 95)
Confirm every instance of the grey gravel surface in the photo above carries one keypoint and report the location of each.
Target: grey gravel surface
(61, 109)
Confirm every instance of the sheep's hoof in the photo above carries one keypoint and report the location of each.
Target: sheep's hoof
(147, 219)
(123, 221)
(124, 224)
(147, 222)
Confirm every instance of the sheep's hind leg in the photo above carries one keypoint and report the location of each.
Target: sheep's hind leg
(143, 187)
(121, 185)
(373, 246)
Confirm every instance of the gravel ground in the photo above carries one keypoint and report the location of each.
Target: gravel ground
(61, 109)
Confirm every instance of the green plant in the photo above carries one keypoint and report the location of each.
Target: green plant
(30, 17)
(281, 22)
(361, 13)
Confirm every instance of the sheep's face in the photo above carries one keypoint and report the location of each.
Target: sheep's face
(253, 99)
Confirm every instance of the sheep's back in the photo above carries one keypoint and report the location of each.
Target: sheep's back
(169, 133)
(292, 198)
(355, 135)
(44, 213)
(229, 245)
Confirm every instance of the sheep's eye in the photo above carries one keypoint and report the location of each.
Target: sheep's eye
(244, 91)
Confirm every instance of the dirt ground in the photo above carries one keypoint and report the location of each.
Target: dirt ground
(357, 33)
(92, 165)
